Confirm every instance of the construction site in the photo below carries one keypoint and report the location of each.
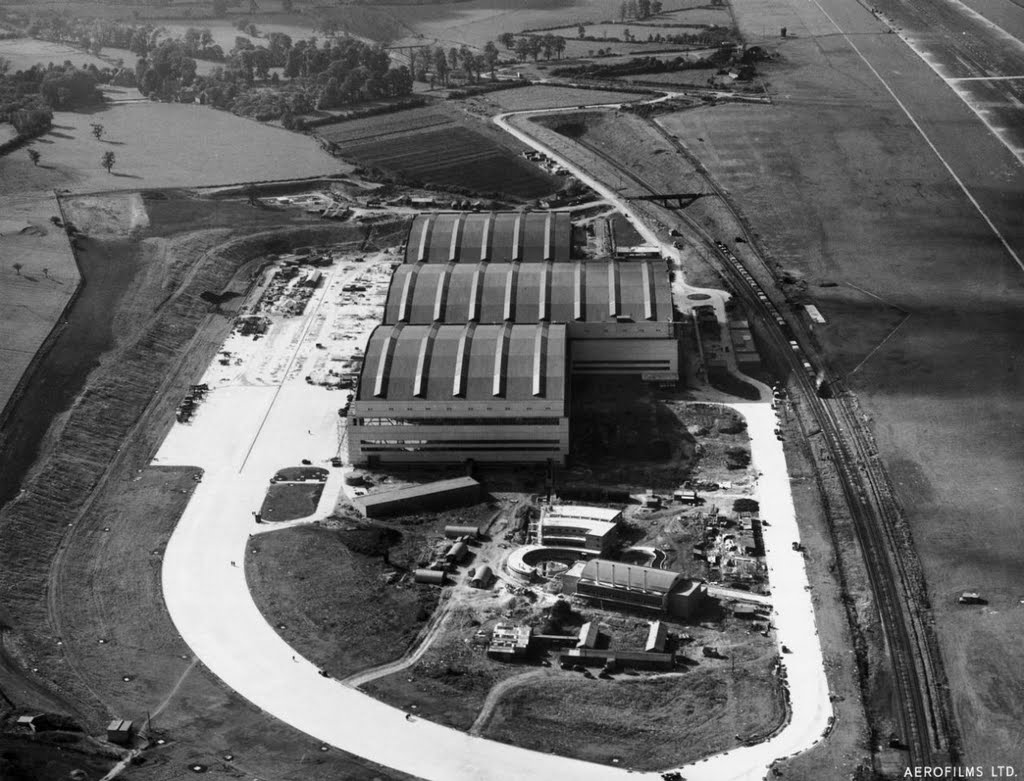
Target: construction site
(403, 400)
(523, 409)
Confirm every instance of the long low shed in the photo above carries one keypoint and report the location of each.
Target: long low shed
(639, 660)
(428, 496)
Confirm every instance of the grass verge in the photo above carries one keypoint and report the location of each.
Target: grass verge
(332, 604)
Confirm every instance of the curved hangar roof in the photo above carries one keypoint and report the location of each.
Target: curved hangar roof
(460, 237)
(481, 363)
(597, 291)
(629, 577)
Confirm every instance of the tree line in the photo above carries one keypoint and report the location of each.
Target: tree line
(318, 75)
(533, 46)
(639, 9)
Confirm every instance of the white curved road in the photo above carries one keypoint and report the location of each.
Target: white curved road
(245, 431)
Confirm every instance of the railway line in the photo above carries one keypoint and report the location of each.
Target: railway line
(922, 714)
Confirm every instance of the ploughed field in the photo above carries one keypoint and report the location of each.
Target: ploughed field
(431, 147)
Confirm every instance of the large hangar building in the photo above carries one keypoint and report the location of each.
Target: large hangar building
(452, 393)
(612, 584)
(517, 267)
(483, 324)
(461, 237)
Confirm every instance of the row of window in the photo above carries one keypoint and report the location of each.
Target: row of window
(458, 421)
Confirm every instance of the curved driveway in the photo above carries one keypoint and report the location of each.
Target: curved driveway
(243, 433)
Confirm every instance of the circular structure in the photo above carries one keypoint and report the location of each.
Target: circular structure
(544, 561)
(644, 557)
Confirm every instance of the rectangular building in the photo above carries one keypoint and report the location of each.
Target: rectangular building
(575, 526)
(614, 585)
(470, 237)
(453, 393)
(657, 636)
(638, 660)
(619, 316)
(509, 641)
(428, 496)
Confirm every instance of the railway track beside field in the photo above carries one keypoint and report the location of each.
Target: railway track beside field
(891, 561)
(923, 710)
(880, 530)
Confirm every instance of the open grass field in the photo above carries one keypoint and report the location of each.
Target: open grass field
(550, 96)
(393, 124)
(154, 144)
(842, 189)
(161, 145)
(33, 297)
(478, 21)
(23, 53)
(670, 719)
(577, 49)
(288, 501)
(318, 592)
(689, 22)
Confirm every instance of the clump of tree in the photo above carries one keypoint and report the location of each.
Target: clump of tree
(439, 66)
(66, 88)
(639, 9)
(745, 505)
(29, 97)
(94, 35)
(737, 457)
(535, 47)
(330, 75)
(165, 71)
